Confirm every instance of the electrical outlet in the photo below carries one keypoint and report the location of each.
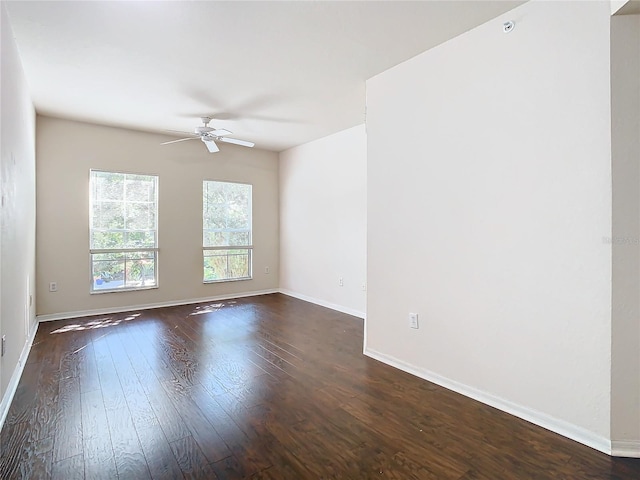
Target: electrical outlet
(364, 287)
(341, 281)
(267, 270)
(53, 286)
(413, 320)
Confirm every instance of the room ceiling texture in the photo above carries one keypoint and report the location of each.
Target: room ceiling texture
(276, 73)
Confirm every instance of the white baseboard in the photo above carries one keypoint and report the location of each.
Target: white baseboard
(625, 448)
(543, 420)
(323, 303)
(148, 306)
(15, 377)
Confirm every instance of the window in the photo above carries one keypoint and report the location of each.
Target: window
(123, 234)
(226, 231)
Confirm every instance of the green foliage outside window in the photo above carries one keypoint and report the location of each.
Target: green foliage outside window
(226, 223)
(123, 216)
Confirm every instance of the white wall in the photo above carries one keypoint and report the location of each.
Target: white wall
(17, 237)
(323, 221)
(489, 194)
(625, 136)
(66, 152)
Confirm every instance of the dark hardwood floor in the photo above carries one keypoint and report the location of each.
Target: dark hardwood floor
(268, 387)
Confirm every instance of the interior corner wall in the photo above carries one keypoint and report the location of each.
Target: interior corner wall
(625, 148)
(17, 237)
(323, 221)
(67, 150)
(489, 202)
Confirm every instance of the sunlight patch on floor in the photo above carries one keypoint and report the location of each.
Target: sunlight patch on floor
(94, 324)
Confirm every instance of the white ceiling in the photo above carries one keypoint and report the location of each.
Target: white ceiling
(632, 7)
(276, 73)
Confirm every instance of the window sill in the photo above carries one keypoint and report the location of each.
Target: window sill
(117, 290)
(227, 280)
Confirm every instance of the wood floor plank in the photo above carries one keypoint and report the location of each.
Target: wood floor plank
(97, 448)
(113, 395)
(13, 438)
(71, 468)
(224, 424)
(211, 444)
(41, 463)
(129, 457)
(168, 417)
(38, 347)
(25, 397)
(230, 469)
(267, 387)
(44, 412)
(70, 357)
(68, 430)
(35, 457)
(88, 369)
(192, 461)
(148, 339)
(141, 411)
(158, 453)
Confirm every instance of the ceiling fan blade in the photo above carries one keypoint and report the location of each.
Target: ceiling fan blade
(211, 145)
(220, 132)
(235, 141)
(180, 140)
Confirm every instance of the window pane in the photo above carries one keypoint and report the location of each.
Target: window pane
(226, 215)
(103, 240)
(123, 215)
(227, 264)
(214, 215)
(108, 215)
(141, 216)
(114, 271)
(140, 239)
(239, 238)
(236, 220)
(140, 270)
(140, 188)
(215, 238)
(226, 222)
(108, 271)
(108, 186)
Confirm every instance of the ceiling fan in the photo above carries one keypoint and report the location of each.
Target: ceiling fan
(209, 135)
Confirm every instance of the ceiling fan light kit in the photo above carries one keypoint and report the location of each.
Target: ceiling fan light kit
(210, 135)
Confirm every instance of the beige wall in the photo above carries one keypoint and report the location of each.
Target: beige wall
(17, 237)
(323, 221)
(625, 136)
(66, 152)
(489, 194)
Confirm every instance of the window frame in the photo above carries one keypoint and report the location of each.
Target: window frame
(248, 248)
(142, 250)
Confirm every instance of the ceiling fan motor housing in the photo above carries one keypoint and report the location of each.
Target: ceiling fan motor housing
(205, 128)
